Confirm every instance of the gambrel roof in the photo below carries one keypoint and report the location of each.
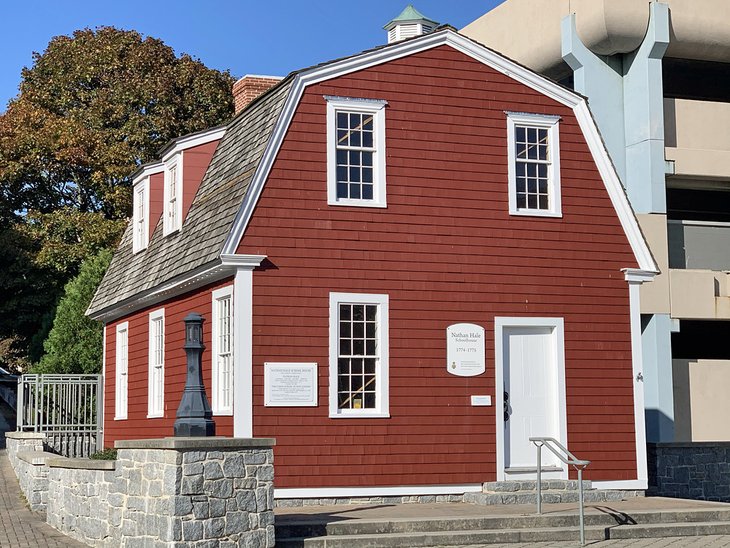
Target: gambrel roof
(240, 166)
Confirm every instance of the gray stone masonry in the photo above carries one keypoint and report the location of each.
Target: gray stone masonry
(168, 493)
(697, 470)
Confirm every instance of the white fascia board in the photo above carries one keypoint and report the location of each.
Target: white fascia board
(484, 55)
(395, 491)
(146, 170)
(190, 141)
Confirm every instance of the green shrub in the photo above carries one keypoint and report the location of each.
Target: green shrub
(74, 344)
(105, 454)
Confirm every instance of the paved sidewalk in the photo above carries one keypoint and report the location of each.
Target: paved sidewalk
(19, 527)
(714, 541)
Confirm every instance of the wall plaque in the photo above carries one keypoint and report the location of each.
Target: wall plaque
(290, 384)
(465, 349)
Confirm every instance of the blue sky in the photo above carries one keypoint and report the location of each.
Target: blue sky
(245, 36)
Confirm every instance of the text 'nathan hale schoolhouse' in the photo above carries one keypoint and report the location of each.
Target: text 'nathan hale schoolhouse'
(409, 261)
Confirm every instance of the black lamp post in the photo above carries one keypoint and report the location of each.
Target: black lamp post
(194, 413)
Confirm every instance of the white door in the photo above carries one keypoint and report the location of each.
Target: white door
(531, 396)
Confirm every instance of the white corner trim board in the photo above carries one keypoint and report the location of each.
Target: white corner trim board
(482, 54)
(396, 491)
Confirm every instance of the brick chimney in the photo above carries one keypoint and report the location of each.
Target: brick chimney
(251, 86)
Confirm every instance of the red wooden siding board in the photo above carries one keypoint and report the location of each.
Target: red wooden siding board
(195, 163)
(446, 251)
(137, 424)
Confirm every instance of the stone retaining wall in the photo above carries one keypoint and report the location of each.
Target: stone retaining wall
(697, 470)
(171, 493)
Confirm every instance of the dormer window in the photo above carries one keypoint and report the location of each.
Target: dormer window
(140, 215)
(173, 195)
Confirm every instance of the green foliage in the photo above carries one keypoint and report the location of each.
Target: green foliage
(74, 344)
(91, 109)
(29, 292)
(105, 454)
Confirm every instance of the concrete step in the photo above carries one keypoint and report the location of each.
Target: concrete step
(506, 536)
(531, 485)
(308, 528)
(548, 497)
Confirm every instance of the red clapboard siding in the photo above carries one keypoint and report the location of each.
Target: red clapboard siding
(195, 163)
(445, 251)
(156, 190)
(138, 426)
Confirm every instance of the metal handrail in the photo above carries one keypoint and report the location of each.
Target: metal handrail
(569, 459)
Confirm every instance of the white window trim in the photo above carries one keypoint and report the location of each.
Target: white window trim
(217, 295)
(381, 371)
(369, 106)
(151, 411)
(551, 124)
(175, 161)
(140, 243)
(120, 411)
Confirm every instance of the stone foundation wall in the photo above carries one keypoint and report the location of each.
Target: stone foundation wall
(16, 442)
(171, 493)
(697, 470)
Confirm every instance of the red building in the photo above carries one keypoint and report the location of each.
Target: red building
(336, 234)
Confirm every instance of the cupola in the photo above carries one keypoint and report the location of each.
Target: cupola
(408, 24)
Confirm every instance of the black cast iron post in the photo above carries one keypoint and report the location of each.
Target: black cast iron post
(194, 413)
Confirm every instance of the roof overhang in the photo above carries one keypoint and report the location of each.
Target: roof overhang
(211, 272)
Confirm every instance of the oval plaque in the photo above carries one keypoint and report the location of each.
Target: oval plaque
(465, 349)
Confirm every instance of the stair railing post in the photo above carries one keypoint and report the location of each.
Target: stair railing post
(539, 478)
(581, 511)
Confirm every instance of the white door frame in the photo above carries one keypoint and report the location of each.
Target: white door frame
(558, 333)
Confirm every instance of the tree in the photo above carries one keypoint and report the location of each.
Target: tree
(91, 109)
(74, 344)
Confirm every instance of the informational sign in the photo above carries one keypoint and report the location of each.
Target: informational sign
(290, 384)
(481, 401)
(465, 349)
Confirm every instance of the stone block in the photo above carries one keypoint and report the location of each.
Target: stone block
(192, 530)
(214, 528)
(212, 471)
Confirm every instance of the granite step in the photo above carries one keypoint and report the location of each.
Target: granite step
(549, 497)
(593, 533)
(499, 529)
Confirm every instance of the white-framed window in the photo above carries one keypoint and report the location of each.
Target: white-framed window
(359, 385)
(156, 377)
(173, 195)
(222, 400)
(121, 368)
(533, 164)
(356, 152)
(140, 215)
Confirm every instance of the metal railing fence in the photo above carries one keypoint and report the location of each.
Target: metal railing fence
(565, 456)
(67, 408)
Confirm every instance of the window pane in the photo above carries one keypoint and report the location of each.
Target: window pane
(341, 157)
(367, 139)
(532, 201)
(343, 383)
(370, 348)
(342, 120)
(345, 329)
(367, 158)
(372, 312)
(520, 134)
(354, 174)
(354, 120)
(370, 330)
(358, 347)
(370, 366)
(521, 200)
(370, 401)
(367, 192)
(543, 202)
(345, 347)
(355, 191)
(358, 312)
(356, 368)
(358, 330)
(345, 311)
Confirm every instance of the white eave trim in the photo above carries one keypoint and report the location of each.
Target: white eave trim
(242, 260)
(636, 275)
(190, 141)
(199, 277)
(147, 170)
(388, 491)
(482, 54)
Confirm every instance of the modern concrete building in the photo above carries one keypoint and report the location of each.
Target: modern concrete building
(657, 76)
